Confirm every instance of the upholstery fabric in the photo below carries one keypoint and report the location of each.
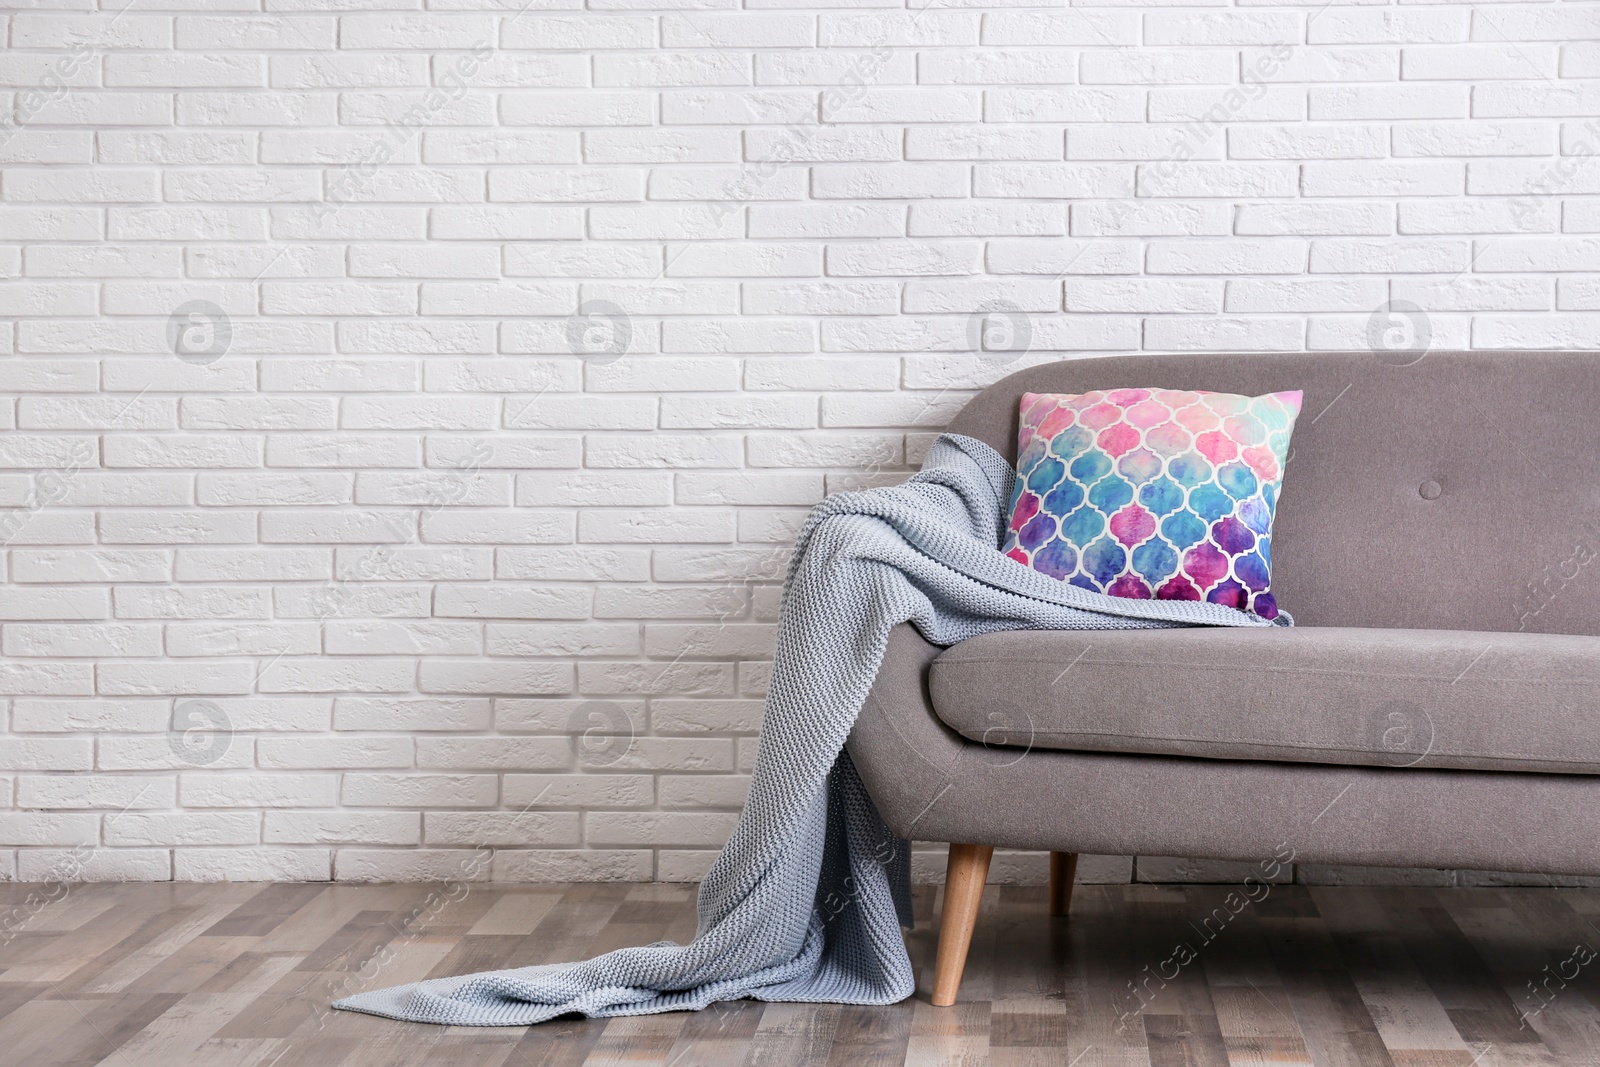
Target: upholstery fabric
(1456, 492)
(932, 784)
(1350, 696)
(806, 899)
(1164, 493)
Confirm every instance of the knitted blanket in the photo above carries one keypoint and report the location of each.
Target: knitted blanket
(807, 899)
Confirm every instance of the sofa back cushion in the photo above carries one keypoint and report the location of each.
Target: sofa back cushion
(1458, 491)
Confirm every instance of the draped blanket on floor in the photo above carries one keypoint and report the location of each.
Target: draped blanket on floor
(807, 899)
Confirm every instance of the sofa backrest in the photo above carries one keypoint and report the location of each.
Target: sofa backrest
(1458, 491)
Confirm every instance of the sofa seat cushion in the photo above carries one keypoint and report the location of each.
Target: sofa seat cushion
(1331, 695)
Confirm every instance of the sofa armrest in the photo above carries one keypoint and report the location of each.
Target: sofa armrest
(904, 754)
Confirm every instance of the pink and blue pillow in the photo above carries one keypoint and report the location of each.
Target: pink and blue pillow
(1152, 493)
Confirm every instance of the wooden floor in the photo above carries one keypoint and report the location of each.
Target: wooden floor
(241, 975)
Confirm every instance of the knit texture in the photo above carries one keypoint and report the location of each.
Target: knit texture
(806, 901)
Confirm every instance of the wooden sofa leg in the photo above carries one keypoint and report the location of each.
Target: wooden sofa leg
(1063, 869)
(963, 891)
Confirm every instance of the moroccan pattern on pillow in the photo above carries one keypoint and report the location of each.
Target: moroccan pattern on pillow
(1158, 493)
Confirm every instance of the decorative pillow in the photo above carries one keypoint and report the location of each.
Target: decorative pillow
(1145, 493)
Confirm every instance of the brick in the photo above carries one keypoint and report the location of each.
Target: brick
(519, 828)
(1061, 28)
(664, 828)
(1062, 105)
(544, 639)
(1478, 62)
(1345, 333)
(585, 791)
(1032, 256)
(1476, 294)
(664, 450)
(661, 146)
(1128, 219)
(1208, 107)
(1219, 28)
(1534, 25)
(573, 865)
(239, 638)
(411, 715)
(1480, 215)
(341, 753)
(98, 865)
(46, 754)
(1316, 219)
(904, 105)
(1389, 26)
(574, 109)
(581, 32)
(714, 107)
(1262, 295)
(146, 678)
(664, 222)
(390, 31)
(193, 601)
(985, 143)
(712, 412)
(1390, 257)
(673, 69)
(341, 828)
(136, 828)
(47, 828)
(885, 30)
(742, 30)
(500, 146)
(39, 376)
(240, 32)
(1052, 180)
(328, 675)
(656, 526)
(1387, 102)
(982, 219)
(1544, 100)
(1151, 67)
(251, 865)
(1235, 256)
(1181, 333)
(1533, 331)
(82, 639)
(90, 715)
(1534, 178)
(837, 145)
(1474, 138)
(412, 865)
(571, 716)
(497, 527)
(49, 30)
(1329, 141)
(419, 790)
(1244, 180)
(100, 791)
(510, 602)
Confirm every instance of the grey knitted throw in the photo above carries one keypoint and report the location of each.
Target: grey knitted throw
(806, 901)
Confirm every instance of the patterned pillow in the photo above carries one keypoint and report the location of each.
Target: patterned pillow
(1160, 493)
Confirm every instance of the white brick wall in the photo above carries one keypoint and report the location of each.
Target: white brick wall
(338, 542)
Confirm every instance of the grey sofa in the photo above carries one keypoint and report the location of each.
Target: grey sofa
(1437, 705)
